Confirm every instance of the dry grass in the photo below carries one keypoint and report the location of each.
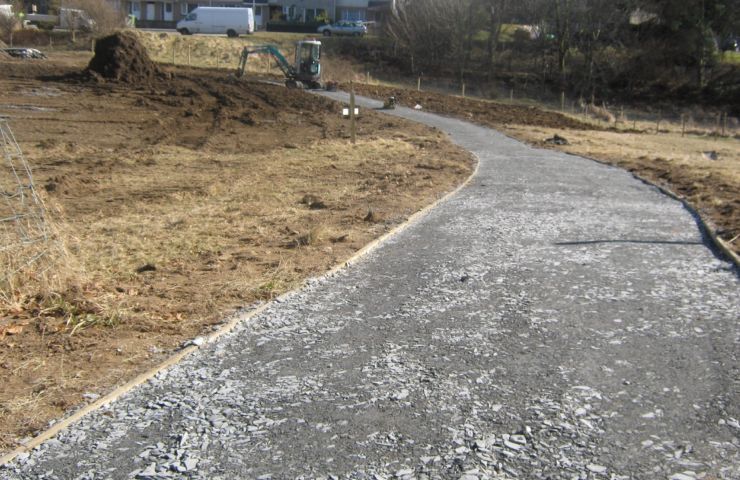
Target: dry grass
(222, 52)
(215, 52)
(178, 213)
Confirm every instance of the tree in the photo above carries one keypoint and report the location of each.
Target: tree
(687, 30)
(9, 20)
(105, 17)
(436, 35)
(497, 11)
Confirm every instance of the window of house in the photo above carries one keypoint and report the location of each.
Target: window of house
(353, 14)
(134, 9)
(290, 12)
(167, 8)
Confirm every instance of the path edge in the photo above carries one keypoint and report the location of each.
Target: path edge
(721, 247)
(228, 327)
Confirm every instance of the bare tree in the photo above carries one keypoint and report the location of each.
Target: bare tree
(497, 10)
(105, 17)
(436, 34)
(9, 23)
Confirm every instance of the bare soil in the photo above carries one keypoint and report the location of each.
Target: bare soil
(679, 163)
(484, 112)
(182, 200)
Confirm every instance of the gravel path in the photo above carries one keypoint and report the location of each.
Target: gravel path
(554, 319)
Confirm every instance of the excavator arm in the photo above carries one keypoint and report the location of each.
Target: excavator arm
(284, 65)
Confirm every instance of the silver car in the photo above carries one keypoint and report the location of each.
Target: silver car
(356, 29)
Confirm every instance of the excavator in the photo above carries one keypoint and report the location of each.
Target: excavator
(306, 73)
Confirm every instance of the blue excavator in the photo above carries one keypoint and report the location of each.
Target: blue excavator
(305, 73)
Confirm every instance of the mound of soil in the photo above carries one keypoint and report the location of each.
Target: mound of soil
(121, 57)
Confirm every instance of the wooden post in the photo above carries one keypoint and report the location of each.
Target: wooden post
(353, 127)
(657, 124)
(418, 84)
(463, 89)
(562, 100)
(724, 123)
(716, 129)
(683, 125)
(92, 45)
(511, 94)
(367, 77)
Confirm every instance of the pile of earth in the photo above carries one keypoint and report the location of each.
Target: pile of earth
(3, 55)
(121, 57)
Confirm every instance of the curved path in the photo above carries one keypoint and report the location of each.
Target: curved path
(554, 319)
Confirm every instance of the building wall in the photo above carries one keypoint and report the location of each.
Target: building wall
(303, 10)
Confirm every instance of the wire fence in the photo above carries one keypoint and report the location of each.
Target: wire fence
(692, 119)
(24, 231)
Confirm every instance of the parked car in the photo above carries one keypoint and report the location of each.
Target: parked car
(343, 28)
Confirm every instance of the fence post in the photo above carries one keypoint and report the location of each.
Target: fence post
(353, 128)
(511, 94)
(562, 100)
(683, 125)
(418, 84)
(463, 89)
(716, 129)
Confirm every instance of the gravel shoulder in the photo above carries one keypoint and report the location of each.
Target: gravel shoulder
(555, 319)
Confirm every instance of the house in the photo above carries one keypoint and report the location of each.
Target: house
(166, 13)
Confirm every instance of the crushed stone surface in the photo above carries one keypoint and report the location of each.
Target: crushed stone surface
(556, 318)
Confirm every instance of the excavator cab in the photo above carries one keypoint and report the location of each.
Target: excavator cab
(308, 62)
(306, 73)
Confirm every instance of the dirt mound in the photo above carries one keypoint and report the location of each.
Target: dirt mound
(3, 44)
(121, 57)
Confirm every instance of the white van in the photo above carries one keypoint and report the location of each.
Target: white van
(231, 21)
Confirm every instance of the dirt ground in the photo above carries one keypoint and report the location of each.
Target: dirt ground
(682, 164)
(183, 200)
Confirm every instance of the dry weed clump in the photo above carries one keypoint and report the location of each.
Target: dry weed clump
(599, 112)
(43, 281)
